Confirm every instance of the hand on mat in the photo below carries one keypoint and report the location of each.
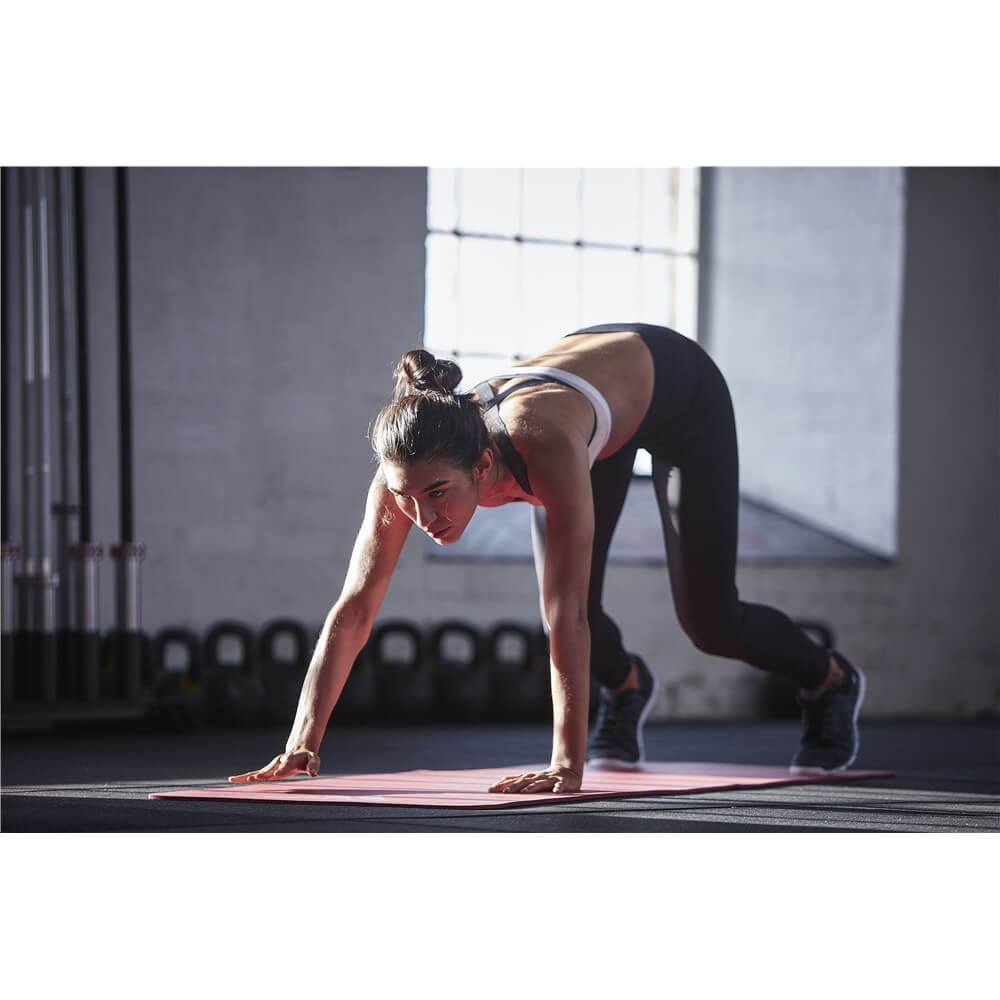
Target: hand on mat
(553, 779)
(283, 766)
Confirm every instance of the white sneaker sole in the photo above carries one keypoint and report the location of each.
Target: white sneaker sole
(614, 763)
(805, 771)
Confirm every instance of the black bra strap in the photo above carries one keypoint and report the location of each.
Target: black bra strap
(498, 430)
(501, 396)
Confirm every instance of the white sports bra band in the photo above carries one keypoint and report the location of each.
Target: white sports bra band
(602, 412)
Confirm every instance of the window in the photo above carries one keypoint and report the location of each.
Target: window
(516, 258)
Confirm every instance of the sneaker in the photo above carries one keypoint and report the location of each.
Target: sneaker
(830, 739)
(616, 739)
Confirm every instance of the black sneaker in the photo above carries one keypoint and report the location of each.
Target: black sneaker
(830, 739)
(616, 739)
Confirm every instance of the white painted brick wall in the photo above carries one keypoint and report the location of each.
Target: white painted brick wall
(805, 298)
(269, 307)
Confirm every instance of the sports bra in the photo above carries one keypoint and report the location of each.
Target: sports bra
(538, 375)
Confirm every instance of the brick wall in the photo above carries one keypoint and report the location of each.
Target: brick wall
(270, 305)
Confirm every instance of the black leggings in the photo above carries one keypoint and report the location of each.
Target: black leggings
(689, 426)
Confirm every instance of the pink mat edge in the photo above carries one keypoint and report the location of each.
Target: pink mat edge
(512, 801)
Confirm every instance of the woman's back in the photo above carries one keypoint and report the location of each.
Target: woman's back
(617, 364)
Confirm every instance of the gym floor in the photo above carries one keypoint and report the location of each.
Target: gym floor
(947, 780)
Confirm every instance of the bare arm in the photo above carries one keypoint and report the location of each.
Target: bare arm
(349, 622)
(561, 480)
(346, 629)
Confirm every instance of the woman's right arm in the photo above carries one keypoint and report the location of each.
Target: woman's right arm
(345, 631)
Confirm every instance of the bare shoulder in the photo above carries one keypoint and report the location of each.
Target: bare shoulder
(381, 511)
(548, 419)
(557, 463)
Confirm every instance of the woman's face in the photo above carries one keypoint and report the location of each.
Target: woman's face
(438, 497)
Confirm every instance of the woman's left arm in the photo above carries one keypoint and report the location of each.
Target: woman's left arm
(560, 478)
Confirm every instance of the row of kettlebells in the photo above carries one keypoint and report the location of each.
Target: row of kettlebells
(452, 671)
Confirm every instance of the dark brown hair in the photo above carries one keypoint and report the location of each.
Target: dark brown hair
(427, 420)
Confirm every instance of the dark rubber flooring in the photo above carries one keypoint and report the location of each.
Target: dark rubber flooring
(947, 780)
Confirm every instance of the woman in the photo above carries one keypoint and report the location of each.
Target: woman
(560, 432)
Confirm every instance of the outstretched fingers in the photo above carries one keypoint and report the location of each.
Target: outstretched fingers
(532, 781)
(546, 784)
(281, 766)
(261, 774)
(511, 783)
(241, 779)
(552, 779)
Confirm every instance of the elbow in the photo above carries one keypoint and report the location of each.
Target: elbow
(350, 616)
(568, 614)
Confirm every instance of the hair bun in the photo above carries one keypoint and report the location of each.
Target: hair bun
(420, 372)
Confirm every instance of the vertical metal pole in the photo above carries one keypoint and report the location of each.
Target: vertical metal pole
(46, 579)
(28, 480)
(6, 282)
(10, 556)
(128, 554)
(87, 631)
(66, 509)
(82, 359)
(129, 584)
(69, 668)
(44, 373)
(86, 555)
(124, 356)
(90, 608)
(11, 552)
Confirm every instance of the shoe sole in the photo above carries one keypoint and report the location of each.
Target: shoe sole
(862, 685)
(614, 763)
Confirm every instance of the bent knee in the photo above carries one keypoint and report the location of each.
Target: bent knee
(714, 636)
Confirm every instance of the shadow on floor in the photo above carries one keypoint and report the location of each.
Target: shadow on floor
(947, 778)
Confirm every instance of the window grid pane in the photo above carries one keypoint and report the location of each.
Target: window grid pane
(655, 192)
(550, 283)
(656, 289)
(551, 203)
(441, 297)
(687, 210)
(489, 201)
(512, 298)
(686, 312)
(610, 206)
(489, 310)
(442, 198)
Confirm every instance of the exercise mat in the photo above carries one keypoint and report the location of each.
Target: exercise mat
(468, 789)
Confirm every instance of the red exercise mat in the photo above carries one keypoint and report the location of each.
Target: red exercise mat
(468, 789)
